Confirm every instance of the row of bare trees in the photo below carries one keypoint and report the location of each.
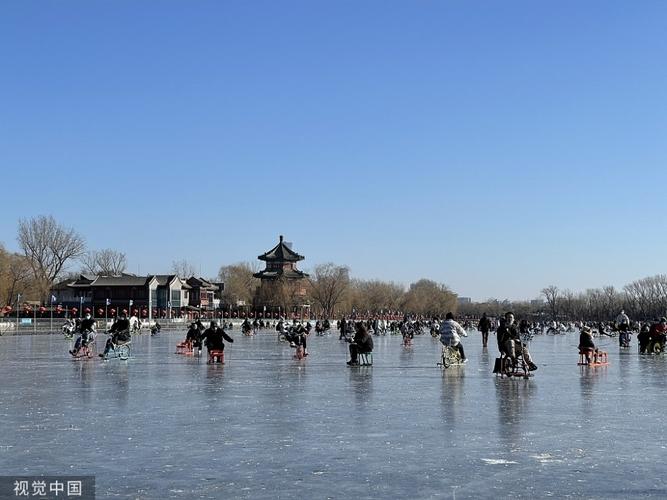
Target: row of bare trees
(330, 291)
(643, 299)
(48, 248)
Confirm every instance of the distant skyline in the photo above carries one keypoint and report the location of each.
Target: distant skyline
(497, 150)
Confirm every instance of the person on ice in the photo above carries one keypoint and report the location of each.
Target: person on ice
(87, 329)
(120, 334)
(623, 326)
(363, 342)
(193, 337)
(484, 326)
(658, 333)
(298, 337)
(451, 333)
(509, 339)
(586, 343)
(214, 336)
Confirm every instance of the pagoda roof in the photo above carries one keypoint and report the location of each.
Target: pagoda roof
(281, 253)
(280, 273)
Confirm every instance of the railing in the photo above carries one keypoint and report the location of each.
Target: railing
(46, 326)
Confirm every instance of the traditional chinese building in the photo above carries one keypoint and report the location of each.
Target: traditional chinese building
(152, 295)
(204, 294)
(283, 287)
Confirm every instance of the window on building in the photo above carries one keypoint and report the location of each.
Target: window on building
(175, 298)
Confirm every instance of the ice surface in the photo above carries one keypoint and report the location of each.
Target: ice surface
(265, 425)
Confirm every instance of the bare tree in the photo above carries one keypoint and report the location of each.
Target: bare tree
(183, 268)
(568, 302)
(88, 263)
(240, 284)
(613, 301)
(328, 283)
(552, 296)
(48, 246)
(647, 298)
(106, 262)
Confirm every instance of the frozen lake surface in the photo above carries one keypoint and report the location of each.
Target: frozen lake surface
(265, 425)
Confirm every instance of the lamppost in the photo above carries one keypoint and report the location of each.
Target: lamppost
(18, 305)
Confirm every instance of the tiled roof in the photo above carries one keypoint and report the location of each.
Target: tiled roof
(120, 281)
(281, 253)
(281, 273)
(201, 283)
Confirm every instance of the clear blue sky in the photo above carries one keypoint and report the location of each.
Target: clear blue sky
(498, 147)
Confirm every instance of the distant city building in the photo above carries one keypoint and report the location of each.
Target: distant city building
(537, 302)
(464, 300)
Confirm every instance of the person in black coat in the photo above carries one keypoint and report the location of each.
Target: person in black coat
(484, 326)
(214, 337)
(586, 343)
(120, 334)
(87, 330)
(509, 340)
(363, 342)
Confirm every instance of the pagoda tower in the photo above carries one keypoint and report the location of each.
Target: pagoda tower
(282, 286)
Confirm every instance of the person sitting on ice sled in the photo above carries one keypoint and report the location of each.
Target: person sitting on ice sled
(586, 343)
(213, 338)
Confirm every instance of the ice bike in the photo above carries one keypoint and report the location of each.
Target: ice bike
(86, 351)
(450, 356)
(121, 351)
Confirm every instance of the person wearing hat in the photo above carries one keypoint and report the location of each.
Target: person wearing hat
(586, 344)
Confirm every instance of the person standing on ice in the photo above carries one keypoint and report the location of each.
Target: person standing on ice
(484, 326)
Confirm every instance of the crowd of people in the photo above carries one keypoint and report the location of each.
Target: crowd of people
(512, 337)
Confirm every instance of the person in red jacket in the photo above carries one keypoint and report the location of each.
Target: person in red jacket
(658, 332)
